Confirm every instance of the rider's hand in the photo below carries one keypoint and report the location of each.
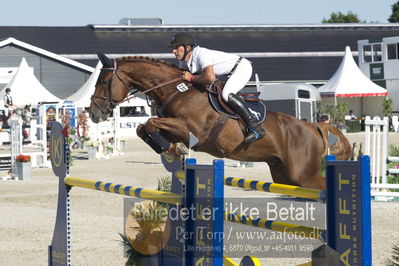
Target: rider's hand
(187, 76)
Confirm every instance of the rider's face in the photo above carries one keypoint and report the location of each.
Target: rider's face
(178, 52)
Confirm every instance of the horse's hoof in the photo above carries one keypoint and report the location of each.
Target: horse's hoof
(181, 149)
(171, 156)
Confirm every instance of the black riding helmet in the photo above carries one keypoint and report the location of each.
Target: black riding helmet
(182, 38)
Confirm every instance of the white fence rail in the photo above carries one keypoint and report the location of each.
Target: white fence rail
(376, 146)
(109, 133)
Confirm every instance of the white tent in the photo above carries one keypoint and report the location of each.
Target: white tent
(26, 89)
(350, 85)
(82, 96)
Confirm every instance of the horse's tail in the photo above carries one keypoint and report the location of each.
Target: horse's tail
(341, 149)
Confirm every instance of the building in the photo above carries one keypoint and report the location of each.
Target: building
(64, 57)
(58, 74)
(379, 61)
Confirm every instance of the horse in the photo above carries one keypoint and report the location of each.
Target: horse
(292, 148)
(25, 113)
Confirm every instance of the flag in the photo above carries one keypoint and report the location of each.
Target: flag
(192, 140)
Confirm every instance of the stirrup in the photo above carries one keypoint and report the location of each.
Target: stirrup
(253, 135)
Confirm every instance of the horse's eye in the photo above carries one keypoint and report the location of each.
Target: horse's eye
(104, 82)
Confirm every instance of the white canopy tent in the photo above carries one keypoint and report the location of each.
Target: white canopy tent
(26, 89)
(82, 96)
(351, 86)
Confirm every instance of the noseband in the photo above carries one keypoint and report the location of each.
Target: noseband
(109, 102)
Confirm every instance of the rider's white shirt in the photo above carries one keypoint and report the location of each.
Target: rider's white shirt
(202, 57)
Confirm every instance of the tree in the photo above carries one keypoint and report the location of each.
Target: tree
(395, 13)
(336, 113)
(387, 107)
(340, 17)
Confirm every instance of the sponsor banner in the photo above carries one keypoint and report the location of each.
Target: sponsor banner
(128, 125)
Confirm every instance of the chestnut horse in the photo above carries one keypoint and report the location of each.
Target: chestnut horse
(292, 148)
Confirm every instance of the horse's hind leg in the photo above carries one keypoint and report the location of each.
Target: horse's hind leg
(299, 177)
(314, 181)
(280, 174)
(309, 175)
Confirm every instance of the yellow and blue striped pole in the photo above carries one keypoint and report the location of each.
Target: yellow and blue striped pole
(228, 261)
(289, 190)
(165, 197)
(295, 191)
(309, 232)
(247, 260)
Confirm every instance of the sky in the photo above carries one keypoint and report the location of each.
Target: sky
(172, 12)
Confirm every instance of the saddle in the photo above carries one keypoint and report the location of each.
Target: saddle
(215, 98)
(252, 100)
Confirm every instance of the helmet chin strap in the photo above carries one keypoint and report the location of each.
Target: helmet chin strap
(185, 53)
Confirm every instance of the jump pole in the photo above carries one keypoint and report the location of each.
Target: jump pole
(288, 190)
(126, 190)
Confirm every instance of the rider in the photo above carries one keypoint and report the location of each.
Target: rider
(209, 65)
(9, 106)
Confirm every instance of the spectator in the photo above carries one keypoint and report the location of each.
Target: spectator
(8, 104)
(324, 119)
(350, 116)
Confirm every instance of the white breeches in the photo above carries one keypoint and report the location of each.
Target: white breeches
(238, 79)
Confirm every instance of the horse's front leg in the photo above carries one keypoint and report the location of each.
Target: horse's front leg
(161, 134)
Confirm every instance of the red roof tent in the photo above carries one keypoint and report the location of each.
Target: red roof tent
(349, 81)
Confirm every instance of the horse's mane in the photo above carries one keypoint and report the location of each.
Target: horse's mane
(148, 60)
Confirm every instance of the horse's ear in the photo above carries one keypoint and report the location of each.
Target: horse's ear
(107, 62)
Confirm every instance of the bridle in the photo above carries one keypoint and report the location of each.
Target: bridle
(111, 103)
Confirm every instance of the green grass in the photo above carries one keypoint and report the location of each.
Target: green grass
(393, 179)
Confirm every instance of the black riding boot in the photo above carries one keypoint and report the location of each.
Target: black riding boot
(256, 131)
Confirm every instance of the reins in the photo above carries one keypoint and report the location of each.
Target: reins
(134, 95)
(110, 103)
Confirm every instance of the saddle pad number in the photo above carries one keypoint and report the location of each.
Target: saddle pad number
(182, 87)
